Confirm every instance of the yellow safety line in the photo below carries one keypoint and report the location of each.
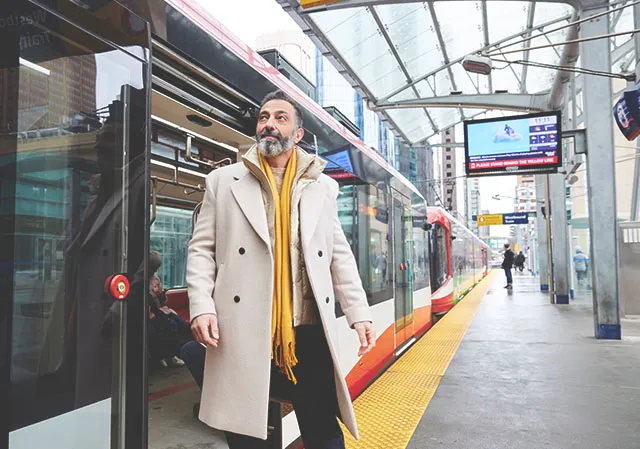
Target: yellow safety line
(389, 411)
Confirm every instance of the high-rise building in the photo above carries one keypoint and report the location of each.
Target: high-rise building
(473, 203)
(46, 101)
(448, 174)
(525, 198)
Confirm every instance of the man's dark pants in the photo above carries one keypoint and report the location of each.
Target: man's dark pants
(313, 397)
(507, 272)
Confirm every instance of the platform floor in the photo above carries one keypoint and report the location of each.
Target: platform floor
(530, 375)
(502, 370)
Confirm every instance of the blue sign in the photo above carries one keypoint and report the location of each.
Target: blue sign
(515, 218)
(627, 114)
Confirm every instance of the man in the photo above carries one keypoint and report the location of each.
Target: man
(266, 256)
(507, 264)
(580, 263)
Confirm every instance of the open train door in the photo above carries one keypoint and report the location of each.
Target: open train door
(74, 114)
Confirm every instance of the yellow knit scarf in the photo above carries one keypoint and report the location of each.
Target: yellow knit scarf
(283, 338)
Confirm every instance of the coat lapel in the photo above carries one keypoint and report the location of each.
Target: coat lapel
(248, 194)
(311, 206)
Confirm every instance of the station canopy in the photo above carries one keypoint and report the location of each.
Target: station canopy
(405, 58)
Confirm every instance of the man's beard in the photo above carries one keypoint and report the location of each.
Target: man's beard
(271, 147)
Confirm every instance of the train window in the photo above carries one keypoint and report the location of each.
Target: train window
(364, 214)
(170, 235)
(420, 255)
(440, 261)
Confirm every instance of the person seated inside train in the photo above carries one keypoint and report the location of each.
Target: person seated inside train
(167, 330)
(193, 353)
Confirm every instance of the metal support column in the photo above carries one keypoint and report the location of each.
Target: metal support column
(541, 235)
(601, 177)
(636, 163)
(560, 239)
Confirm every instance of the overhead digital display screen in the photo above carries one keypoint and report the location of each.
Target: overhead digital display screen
(525, 143)
(339, 161)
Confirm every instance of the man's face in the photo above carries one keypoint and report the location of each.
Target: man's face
(277, 131)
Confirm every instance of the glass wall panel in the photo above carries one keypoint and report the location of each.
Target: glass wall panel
(170, 235)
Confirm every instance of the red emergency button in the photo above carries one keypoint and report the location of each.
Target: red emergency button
(117, 286)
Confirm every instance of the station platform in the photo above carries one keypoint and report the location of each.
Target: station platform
(527, 374)
(503, 369)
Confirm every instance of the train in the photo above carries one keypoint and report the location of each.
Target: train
(143, 112)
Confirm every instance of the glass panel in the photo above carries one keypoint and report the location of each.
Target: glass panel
(546, 12)
(73, 211)
(506, 18)
(445, 117)
(402, 235)
(425, 88)
(540, 79)
(170, 235)
(356, 36)
(407, 94)
(439, 264)
(420, 255)
(454, 17)
(464, 80)
(413, 34)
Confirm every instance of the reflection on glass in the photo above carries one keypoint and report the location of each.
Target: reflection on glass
(170, 235)
(69, 189)
(440, 263)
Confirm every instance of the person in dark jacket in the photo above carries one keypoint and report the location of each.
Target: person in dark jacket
(507, 264)
(519, 262)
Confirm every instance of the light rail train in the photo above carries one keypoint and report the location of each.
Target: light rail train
(109, 128)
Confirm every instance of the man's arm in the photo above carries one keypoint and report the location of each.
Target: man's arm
(201, 270)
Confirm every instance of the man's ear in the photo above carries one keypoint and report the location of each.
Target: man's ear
(299, 135)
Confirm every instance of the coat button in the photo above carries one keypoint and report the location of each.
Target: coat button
(319, 253)
(327, 300)
(236, 298)
(241, 251)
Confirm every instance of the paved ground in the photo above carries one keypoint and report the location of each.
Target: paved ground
(530, 375)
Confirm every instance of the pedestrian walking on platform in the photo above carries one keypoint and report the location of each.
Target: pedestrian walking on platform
(267, 254)
(507, 264)
(581, 264)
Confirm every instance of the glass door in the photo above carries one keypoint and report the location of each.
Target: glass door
(73, 212)
(402, 235)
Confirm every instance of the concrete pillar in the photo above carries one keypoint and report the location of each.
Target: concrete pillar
(601, 177)
(541, 235)
(560, 238)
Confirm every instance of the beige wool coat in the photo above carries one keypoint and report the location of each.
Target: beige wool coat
(230, 273)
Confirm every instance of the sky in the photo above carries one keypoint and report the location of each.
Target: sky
(267, 16)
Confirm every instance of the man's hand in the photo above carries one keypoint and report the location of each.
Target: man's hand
(205, 329)
(367, 335)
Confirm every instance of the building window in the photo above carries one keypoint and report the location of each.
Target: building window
(448, 173)
(448, 158)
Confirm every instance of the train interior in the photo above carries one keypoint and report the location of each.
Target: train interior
(183, 151)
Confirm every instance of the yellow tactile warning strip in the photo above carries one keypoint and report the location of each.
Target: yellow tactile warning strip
(389, 411)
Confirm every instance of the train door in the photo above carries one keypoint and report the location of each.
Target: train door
(402, 237)
(73, 174)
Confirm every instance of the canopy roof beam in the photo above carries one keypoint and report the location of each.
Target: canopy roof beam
(485, 30)
(345, 4)
(530, 15)
(511, 102)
